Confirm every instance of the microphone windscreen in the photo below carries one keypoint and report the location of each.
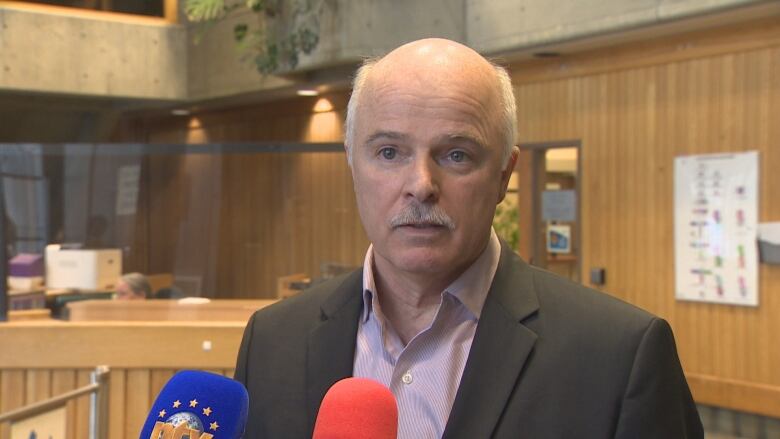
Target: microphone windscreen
(199, 405)
(357, 408)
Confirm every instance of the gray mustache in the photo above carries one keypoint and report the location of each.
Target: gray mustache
(422, 214)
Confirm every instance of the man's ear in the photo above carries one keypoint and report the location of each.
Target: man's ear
(506, 173)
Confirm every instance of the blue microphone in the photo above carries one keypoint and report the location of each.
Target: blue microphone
(198, 405)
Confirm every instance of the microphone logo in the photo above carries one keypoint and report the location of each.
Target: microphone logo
(190, 420)
(198, 405)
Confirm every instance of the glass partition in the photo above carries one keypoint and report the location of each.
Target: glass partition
(209, 221)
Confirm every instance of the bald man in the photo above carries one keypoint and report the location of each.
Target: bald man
(473, 342)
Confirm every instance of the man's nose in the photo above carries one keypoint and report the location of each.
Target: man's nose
(423, 181)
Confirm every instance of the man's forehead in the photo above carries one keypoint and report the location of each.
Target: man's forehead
(430, 76)
(434, 68)
(436, 78)
(392, 101)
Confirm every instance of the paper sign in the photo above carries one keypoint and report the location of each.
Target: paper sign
(715, 223)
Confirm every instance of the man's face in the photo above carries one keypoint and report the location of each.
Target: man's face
(124, 292)
(427, 173)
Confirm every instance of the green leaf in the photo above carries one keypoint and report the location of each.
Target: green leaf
(204, 10)
(239, 31)
(255, 5)
(268, 61)
(308, 40)
(275, 44)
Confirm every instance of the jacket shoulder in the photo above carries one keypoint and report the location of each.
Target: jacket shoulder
(578, 302)
(305, 309)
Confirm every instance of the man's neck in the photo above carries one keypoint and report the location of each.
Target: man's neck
(409, 301)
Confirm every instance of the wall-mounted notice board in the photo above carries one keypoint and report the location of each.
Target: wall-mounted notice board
(715, 225)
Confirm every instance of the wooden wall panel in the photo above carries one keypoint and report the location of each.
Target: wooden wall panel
(84, 205)
(138, 400)
(131, 394)
(137, 373)
(117, 403)
(184, 209)
(158, 379)
(37, 385)
(81, 415)
(256, 216)
(633, 119)
(12, 389)
(63, 380)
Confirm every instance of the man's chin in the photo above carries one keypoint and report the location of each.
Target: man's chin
(421, 261)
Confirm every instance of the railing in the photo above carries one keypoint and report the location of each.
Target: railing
(98, 404)
(149, 8)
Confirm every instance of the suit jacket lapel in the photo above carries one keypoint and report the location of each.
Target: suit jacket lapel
(498, 353)
(330, 346)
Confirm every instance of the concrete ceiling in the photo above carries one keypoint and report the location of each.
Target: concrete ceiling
(46, 117)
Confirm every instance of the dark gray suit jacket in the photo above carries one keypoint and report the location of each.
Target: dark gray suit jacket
(550, 359)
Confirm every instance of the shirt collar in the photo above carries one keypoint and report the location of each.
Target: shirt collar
(470, 288)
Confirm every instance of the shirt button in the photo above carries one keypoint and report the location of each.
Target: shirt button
(407, 377)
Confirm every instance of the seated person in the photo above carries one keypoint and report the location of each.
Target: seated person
(133, 286)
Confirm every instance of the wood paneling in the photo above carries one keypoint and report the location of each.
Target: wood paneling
(63, 380)
(131, 394)
(133, 385)
(117, 404)
(83, 206)
(285, 214)
(164, 310)
(138, 389)
(256, 216)
(81, 414)
(117, 344)
(12, 389)
(636, 108)
(38, 385)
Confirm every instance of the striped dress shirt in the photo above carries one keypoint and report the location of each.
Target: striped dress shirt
(424, 375)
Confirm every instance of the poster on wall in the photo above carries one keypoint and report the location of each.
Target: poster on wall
(715, 226)
(559, 238)
(128, 181)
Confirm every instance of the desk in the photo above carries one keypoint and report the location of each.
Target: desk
(40, 359)
(29, 314)
(164, 310)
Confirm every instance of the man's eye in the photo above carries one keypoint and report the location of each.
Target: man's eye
(457, 156)
(388, 153)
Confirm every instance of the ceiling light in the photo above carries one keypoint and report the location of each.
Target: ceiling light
(323, 106)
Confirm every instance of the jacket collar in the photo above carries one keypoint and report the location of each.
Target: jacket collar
(501, 347)
(330, 350)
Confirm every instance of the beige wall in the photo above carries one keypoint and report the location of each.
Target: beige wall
(635, 108)
(257, 216)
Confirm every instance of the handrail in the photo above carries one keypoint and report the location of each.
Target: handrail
(45, 405)
(98, 404)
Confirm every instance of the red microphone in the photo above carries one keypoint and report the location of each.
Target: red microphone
(357, 408)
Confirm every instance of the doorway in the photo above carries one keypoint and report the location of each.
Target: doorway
(551, 218)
